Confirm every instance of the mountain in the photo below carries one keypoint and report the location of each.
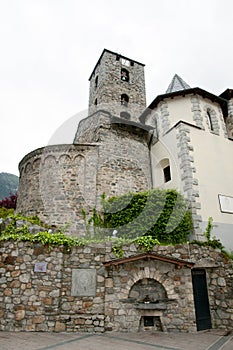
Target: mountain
(8, 184)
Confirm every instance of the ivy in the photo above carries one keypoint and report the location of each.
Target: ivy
(146, 242)
(161, 214)
(45, 237)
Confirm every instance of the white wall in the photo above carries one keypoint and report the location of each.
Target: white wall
(165, 148)
(212, 160)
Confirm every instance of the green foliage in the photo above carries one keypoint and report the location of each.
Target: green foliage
(146, 242)
(22, 233)
(210, 241)
(52, 239)
(117, 250)
(34, 220)
(208, 230)
(4, 212)
(161, 214)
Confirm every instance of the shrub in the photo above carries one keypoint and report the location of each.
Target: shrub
(161, 214)
(9, 202)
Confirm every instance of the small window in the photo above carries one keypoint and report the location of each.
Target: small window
(210, 120)
(96, 81)
(124, 100)
(124, 74)
(96, 102)
(125, 115)
(125, 62)
(167, 173)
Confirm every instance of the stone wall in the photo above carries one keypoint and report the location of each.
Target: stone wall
(106, 95)
(44, 289)
(58, 182)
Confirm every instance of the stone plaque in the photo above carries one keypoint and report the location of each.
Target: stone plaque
(83, 282)
(40, 266)
(226, 204)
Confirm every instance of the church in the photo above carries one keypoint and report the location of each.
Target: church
(182, 140)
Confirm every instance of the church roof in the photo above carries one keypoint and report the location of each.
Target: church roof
(177, 84)
(184, 92)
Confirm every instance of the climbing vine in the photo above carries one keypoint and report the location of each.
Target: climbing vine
(160, 214)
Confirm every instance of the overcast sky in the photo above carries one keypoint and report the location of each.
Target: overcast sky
(50, 47)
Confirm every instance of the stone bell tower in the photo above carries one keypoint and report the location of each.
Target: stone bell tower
(117, 86)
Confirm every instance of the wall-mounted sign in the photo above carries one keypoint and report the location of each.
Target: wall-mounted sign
(83, 282)
(40, 266)
(226, 203)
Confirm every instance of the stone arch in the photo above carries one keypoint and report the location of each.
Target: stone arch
(49, 160)
(64, 158)
(79, 158)
(28, 167)
(211, 119)
(36, 164)
(148, 288)
(160, 277)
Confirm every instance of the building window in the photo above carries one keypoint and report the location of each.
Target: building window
(96, 102)
(124, 75)
(210, 122)
(167, 173)
(96, 81)
(125, 62)
(124, 100)
(125, 115)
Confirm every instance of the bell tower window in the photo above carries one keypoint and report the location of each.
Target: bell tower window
(124, 100)
(124, 74)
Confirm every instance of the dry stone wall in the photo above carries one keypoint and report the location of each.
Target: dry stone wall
(47, 289)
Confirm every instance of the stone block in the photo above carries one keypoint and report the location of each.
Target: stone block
(59, 327)
(38, 319)
(19, 315)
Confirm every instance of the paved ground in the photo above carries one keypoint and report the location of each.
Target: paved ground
(210, 340)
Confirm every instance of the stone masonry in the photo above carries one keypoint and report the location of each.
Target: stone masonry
(40, 291)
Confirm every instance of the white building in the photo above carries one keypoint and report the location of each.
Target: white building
(191, 151)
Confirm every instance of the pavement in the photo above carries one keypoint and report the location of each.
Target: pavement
(206, 340)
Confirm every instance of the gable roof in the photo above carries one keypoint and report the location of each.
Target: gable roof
(177, 84)
(192, 91)
(149, 256)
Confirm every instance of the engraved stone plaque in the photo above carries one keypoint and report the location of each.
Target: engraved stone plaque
(40, 266)
(83, 282)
